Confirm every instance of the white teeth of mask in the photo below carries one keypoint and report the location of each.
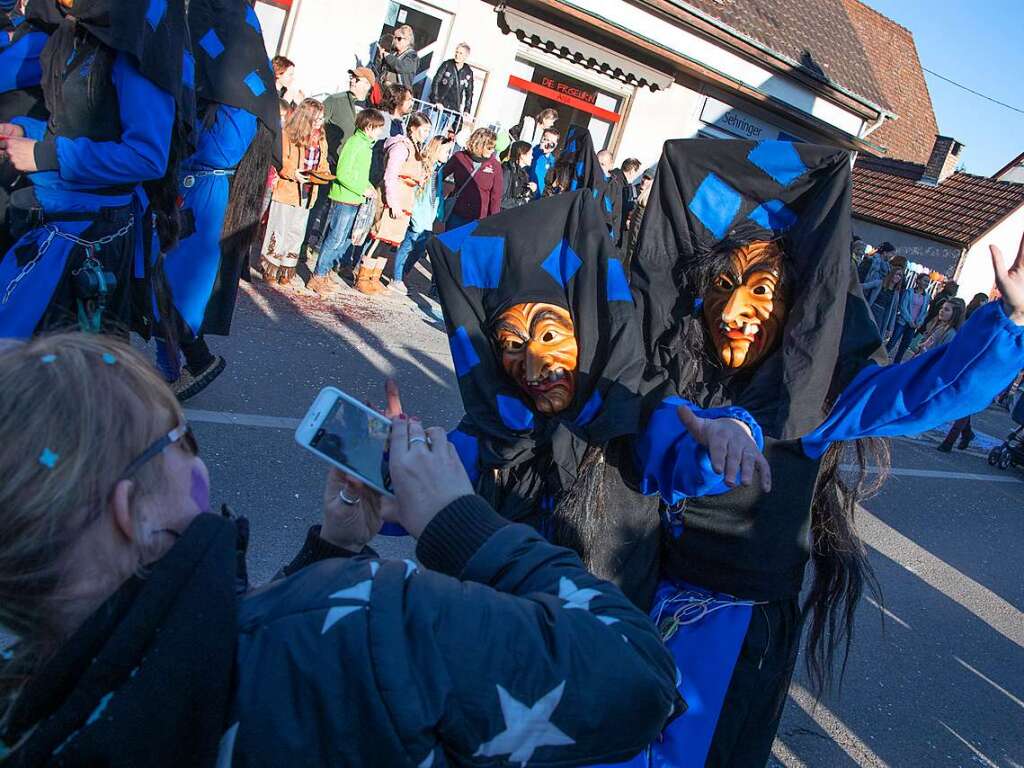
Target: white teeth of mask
(751, 329)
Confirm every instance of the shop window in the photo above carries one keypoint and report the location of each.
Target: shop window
(534, 87)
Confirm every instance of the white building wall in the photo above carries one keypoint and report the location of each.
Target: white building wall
(656, 116)
(976, 274)
(325, 39)
(939, 257)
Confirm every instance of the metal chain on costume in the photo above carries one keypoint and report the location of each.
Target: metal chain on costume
(89, 245)
(692, 607)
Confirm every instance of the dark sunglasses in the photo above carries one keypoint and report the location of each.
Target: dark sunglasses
(182, 434)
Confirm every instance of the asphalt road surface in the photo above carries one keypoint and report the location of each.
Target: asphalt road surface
(939, 683)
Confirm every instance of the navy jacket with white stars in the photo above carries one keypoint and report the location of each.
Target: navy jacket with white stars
(506, 651)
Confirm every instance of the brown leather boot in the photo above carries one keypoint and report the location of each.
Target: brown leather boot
(375, 284)
(364, 280)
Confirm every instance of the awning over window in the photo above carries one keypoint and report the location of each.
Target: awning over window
(570, 47)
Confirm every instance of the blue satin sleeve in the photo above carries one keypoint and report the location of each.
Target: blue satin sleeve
(34, 129)
(147, 118)
(20, 66)
(672, 463)
(946, 383)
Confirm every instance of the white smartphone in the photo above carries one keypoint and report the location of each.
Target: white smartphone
(351, 436)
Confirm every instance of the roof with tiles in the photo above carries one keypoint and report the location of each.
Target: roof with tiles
(819, 36)
(959, 210)
(897, 69)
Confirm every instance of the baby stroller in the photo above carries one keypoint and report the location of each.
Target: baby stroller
(1011, 452)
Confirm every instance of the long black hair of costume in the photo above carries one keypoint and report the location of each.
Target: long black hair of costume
(842, 570)
(163, 192)
(245, 200)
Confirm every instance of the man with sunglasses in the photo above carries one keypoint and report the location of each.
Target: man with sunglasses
(402, 62)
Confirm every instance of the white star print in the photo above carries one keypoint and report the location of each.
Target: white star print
(526, 728)
(226, 752)
(360, 592)
(574, 596)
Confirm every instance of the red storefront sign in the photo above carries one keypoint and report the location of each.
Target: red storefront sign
(564, 93)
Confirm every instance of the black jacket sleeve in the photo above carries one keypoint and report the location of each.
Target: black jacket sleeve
(468, 104)
(404, 64)
(526, 657)
(435, 96)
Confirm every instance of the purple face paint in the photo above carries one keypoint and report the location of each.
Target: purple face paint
(200, 490)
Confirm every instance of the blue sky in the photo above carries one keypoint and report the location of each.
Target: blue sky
(979, 44)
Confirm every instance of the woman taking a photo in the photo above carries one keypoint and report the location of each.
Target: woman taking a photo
(132, 647)
(303, 170)
(478, 180)
(404, 173)
(517, 189)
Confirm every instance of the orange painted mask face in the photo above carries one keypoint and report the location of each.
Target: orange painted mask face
(537, 344)
(743, 309)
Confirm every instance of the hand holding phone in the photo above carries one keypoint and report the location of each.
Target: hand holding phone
(427, 473)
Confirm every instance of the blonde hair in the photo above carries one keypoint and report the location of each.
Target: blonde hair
(75, 411)
(299, 128)
(482, 141)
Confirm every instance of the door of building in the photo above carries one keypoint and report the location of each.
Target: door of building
(430, 27)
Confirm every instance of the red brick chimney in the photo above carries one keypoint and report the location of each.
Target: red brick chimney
(942, 163)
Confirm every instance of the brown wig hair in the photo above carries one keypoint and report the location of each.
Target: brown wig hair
(76, 409)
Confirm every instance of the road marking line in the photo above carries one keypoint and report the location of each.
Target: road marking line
(937, 474)
(991, 682)
(240, 419)
(981, 756)
(785, 756)
(942, 577)
(889, 613)
(847, 740)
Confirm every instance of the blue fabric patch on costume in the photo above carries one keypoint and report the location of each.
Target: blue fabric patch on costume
(254, 83)
(579, 169)
(573, 185)
(562, 263)
(46, 359)
(618, 285)
(463, 354)
(514, 414)
(572, 147)
(453, 239)
(210, 42)
(482, 259)
(48, 458)
(608, 206)
(716, 205)
(188, 70)
(779, 159)
(252, 19)
(155, 14)
(109, 359)
(597, 193)
(590, 410)
(468, 448)
(773, 215)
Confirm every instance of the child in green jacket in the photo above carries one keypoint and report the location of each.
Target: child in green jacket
(349, 191)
